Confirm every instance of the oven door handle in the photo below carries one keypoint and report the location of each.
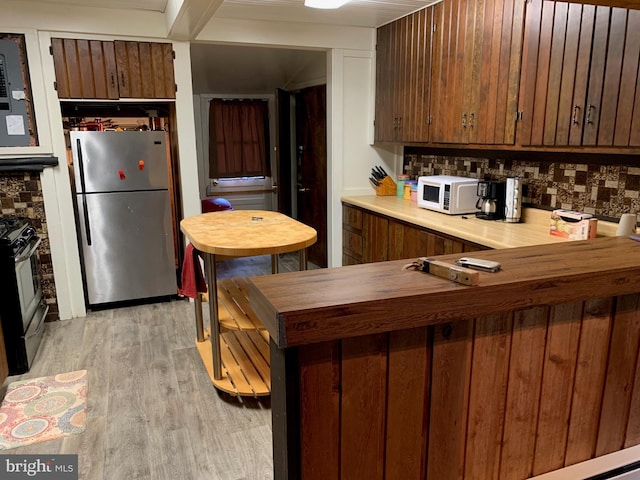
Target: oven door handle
(25, 256)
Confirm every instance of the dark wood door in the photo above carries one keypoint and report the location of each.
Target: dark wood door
(384, 128)
(145, 70)
(311, 141)
(495, 72)
(579, 75)
(447, 73)
(84, 68)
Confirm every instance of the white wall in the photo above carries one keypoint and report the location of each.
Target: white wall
(349, 87)
(350, 102)
(103, 24)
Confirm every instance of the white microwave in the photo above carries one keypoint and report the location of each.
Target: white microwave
(448, 194)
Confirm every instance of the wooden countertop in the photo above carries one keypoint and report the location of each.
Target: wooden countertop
(245, 233)
(533, 230)
(307, 307)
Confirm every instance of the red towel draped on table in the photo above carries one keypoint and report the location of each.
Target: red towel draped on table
(192, 277)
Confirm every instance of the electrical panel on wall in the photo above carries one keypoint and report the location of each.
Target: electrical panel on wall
(14, 125)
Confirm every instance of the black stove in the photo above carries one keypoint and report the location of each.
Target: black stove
(22, 308)
(16, 233)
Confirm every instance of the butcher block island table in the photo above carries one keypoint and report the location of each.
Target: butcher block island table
(380, 372)
(237, 359)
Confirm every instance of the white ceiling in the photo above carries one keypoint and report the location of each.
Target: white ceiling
(250, 70)
(362, 13)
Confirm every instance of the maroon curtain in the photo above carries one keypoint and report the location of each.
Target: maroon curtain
(238, 138)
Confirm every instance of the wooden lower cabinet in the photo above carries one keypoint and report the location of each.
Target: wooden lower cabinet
(368, 237)
(504, 396)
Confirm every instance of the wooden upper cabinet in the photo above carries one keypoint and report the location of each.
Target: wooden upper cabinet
(402, 79)
(94, 69)
(447, 72)
(579, 75)
(145, 70)
(84, 68)
(476, 71)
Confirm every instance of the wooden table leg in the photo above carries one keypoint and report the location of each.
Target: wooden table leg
(274, 263)
(210, 266)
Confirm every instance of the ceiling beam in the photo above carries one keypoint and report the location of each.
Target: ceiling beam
(186, 18)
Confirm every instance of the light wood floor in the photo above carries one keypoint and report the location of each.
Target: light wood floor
(152, 411)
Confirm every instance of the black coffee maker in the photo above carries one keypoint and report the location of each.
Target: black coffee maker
(490, 200)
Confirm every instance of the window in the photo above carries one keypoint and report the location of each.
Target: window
(238, 138)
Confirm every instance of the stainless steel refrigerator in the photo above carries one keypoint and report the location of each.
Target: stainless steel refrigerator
(124, 215)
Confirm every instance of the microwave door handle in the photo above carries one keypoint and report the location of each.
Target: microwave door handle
(87, 225)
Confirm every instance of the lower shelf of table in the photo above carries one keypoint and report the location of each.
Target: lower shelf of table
(245, 362)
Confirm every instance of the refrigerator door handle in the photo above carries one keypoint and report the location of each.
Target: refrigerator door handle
(87, 226)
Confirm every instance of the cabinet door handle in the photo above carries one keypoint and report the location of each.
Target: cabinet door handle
(122, 82)
(590, 108)
(464, 120)
(576, 112)
(399, 123)
(471, 119)
(113, 81)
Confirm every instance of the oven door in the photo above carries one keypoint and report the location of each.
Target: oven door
(29, 290)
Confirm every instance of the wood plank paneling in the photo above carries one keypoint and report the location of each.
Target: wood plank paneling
(529, 70)
(543, 73)
(628, 81)
(620, 375)
(596, 76)
(488, 391)
(589, 380)
(320, 410)
(582, 80)
(565, 101)
(555, 72)
(407, 404)
(72, 61)
(375, 230)
(558, 377)
(363, 407)
(632, 436)
(59, 64)
(451, 371)
(515, 60)
(85, 69)
(612, 77)
(523, 396)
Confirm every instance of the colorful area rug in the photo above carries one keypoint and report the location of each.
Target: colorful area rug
(43, 409)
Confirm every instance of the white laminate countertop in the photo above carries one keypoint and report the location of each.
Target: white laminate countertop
(532, 230)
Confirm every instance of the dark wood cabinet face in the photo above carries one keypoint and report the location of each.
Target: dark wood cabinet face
(84, 69)
(93, 69)
(367, 238)
(403, 72)
(579, 75)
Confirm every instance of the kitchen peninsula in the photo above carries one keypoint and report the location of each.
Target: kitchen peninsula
(384, 372)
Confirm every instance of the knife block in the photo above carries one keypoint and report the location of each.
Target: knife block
(387, 187)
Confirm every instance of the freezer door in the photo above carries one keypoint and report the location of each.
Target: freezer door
(119, 161)
(127, 246)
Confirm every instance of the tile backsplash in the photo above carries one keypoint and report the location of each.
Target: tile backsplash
(606, 191)
(21, 195)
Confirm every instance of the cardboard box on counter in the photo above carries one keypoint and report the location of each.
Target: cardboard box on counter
(573, 225)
